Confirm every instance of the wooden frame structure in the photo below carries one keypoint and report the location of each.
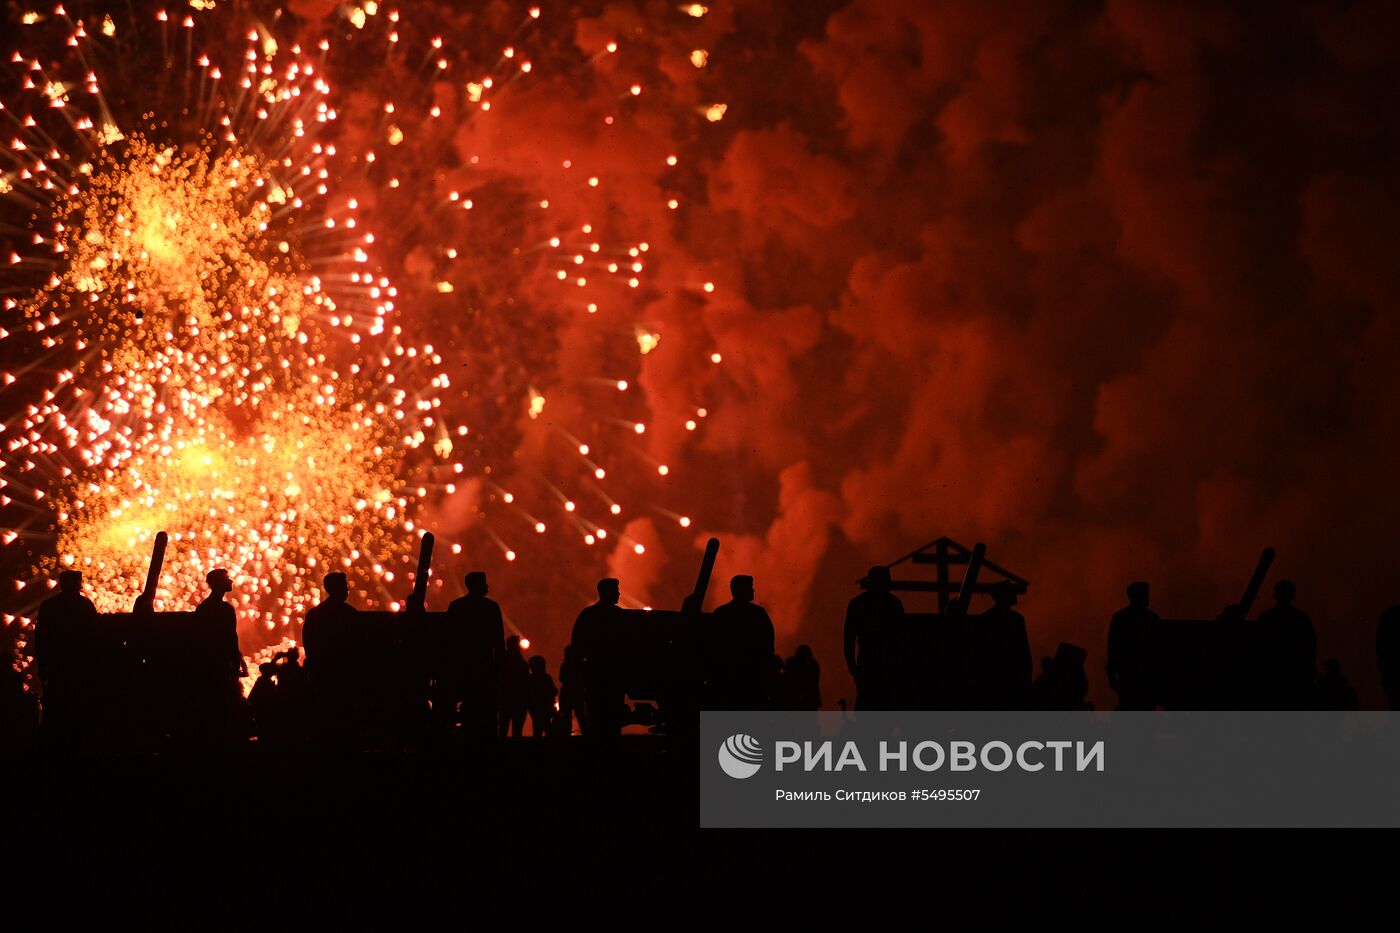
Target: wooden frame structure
(943, 554)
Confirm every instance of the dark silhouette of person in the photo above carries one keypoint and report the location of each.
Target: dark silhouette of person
(596, 640)
(1132, 636)
(65, 657)
(571, 693)
(214, 660)
(1333, 691)
(1388, 654)
(264, 703)
(514, 689)
(542, 694)
(471, 647)
(1287, 653)
(1005, 652)
(328, 637)
(873, 636)
(220, 635)
(1063, 684)
(802, 676)
(293, 696)
(741, 650)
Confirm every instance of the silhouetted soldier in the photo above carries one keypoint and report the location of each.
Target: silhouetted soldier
(328, 637)
(596, 636)
(1006, 652)
(293, 696)
(873, 635)
(1388, 654)
(571, 693)
(514, 689)
(268, 720)
(63, 650)
(1062, 684)
(215, 662)
(1287, 652)
(1131, 646)
(542, 694)
(472, 645)
(1069, 668)
(740, 637)
(802, 676)
(1333, 691)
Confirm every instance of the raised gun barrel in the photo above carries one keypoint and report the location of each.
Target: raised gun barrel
(693, 603)
(969, 584)
(1256, 581)
(146, 602)
(418, 599)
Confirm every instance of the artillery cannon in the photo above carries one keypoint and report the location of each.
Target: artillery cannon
(1211, 663)
(141, 682)
(661, 652)
(146, 685)
(1192, 663)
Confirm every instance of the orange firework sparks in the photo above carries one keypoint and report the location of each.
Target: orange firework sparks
(215, 412)
(200, 341)
(181, 294)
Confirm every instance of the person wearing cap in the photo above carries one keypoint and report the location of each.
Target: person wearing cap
(874, 620)
(1006, 680)
(1131, 635)
(62, 648)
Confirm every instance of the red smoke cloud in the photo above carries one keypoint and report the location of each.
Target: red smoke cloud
(1110, 289)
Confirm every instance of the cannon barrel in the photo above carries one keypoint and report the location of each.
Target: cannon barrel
(696, 600)
(418, 600)
(969, 584)
(157, 563)
(146, 601)
(1256, 581)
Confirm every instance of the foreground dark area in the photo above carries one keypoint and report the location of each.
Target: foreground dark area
(523, 830)
(386, 778)
(325, 836)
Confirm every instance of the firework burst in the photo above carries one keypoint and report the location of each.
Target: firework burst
(199, 337)
(194, 314)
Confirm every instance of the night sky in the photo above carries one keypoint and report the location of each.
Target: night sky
(1108, 286)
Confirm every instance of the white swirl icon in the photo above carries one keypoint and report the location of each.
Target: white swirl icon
(740, 756)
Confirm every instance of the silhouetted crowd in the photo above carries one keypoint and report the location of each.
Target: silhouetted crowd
(962, 661)
(141, 678)
(366, 679)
